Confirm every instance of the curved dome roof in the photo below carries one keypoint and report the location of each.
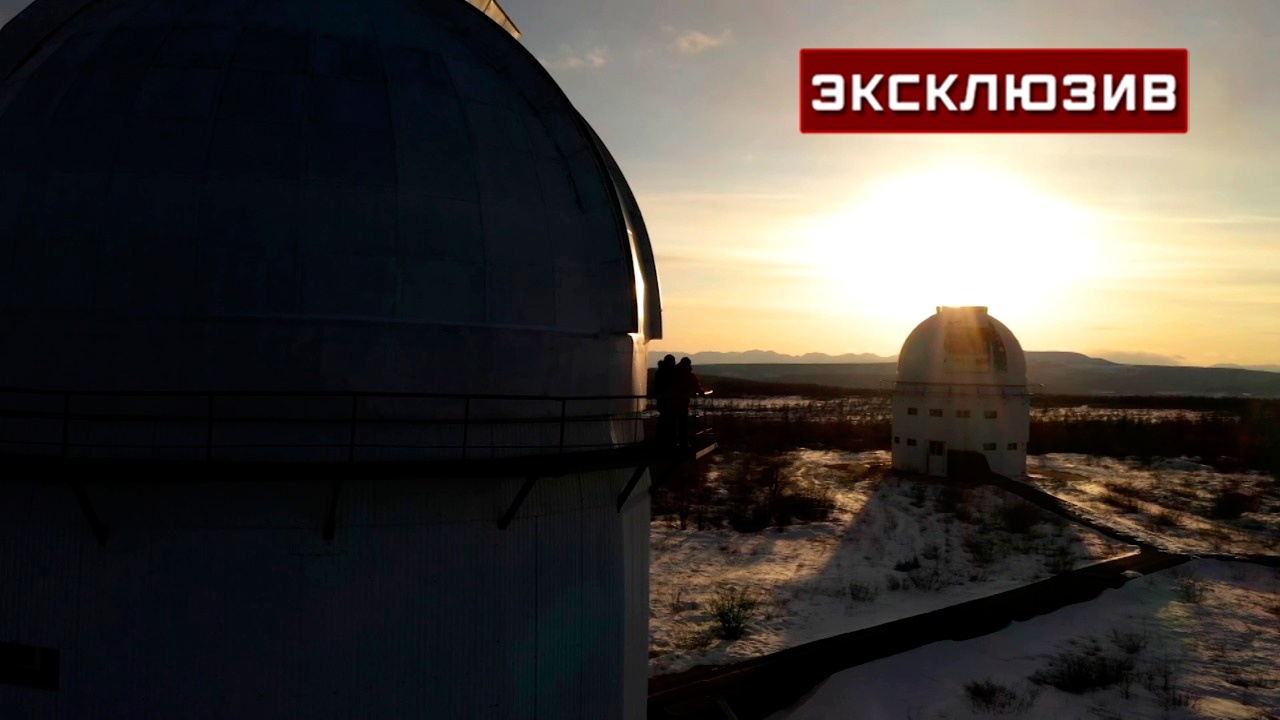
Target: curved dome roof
(962, 345)
(167, 166)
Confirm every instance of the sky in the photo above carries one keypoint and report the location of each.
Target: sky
(1158, 248)
(1152, 248)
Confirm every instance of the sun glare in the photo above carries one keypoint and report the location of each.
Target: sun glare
(952, 236)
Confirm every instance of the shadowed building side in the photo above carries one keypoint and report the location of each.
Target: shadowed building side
(961, 394)
(268, 196)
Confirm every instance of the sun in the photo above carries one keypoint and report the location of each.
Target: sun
(952, 236)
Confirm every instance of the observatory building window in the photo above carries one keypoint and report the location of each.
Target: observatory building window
(988, 446)
(1013, 446)
(911, 442)
(989, 414)
(962, 413)
(913, 411)
(936, 412)
(936, 447)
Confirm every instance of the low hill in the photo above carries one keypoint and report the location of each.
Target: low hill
(1058, 373)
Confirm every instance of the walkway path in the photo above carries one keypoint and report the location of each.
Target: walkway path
(757, 688)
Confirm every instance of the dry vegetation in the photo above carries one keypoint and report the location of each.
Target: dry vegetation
(1180, 504)
(829, 542)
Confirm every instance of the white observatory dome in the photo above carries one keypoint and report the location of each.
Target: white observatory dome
(961, 400)
(295, 296)
(962, 345)
(389, 195)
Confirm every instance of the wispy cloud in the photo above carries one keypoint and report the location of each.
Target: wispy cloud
(692, 42)
(569, 59)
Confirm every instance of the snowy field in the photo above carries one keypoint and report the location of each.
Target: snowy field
(890, 548)
(879, 408)
(1178, 505)
(1198, 641)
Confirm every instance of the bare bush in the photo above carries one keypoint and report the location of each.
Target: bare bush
(1161, 679)
(907, 565)
(863, 592)
(763, 493)
(1189, 588)
(985, 549)
(1017, 516)
(1085, 669)
(1230, 502)
(1131, 642)
(1166, 519)
(1120, 502)
(989, 696)
(1060, 559)
(928, 579)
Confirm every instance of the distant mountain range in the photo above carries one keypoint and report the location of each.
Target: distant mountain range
(771, 357)
(1260, 368)
(1065, 373)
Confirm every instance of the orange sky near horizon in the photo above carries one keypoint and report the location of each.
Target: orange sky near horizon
(1161, 247)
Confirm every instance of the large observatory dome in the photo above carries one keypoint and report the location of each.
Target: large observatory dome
(317, 195)
(962, 388)
(962, 345)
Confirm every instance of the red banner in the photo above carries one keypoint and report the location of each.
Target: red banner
(993, 91)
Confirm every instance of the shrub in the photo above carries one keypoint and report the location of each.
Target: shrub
(984, 549)
(919, 494)
(1137, 492)
(1165, 519)
(1060, 559)
(908, 565)
(863, 592)
(989, 696)
(1190, 589)
(928, 579)
(763, 494)
(1231, 503)
(1018, 516)
(1080, 671)
(748, 517)
(1161, 679)
(931, 552)
(805, 505)
(955, 499)
(1131, 642)
(733, 608)
(1120, 502)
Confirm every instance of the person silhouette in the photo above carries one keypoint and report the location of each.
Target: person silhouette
(663, 379)
(685, 385)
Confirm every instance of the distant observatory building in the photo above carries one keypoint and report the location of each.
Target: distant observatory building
(961, 396)
(321, 326)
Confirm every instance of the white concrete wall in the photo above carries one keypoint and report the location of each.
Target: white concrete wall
(222, 600)
(1011, 425)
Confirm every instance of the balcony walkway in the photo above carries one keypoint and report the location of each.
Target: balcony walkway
(82, 438)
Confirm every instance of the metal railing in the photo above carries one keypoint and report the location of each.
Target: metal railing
(332, 426)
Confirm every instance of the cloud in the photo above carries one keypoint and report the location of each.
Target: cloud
(692, 42)
(568, 59)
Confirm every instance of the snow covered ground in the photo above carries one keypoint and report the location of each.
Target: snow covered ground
(892, 548)
(1198, 641)
(871, 408)
(1178, 505)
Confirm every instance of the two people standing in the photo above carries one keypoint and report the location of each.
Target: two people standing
(675, 385)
